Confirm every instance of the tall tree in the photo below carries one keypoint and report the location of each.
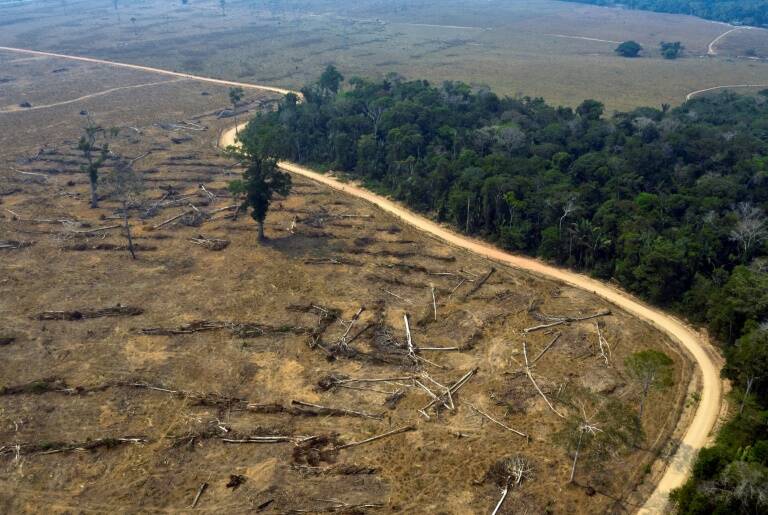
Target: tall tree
(126, 186)
(95, 154)
(261, 181)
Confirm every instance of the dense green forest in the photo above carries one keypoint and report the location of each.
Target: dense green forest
(743, 12)
(668, 202)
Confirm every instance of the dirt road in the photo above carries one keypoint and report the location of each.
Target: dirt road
(730, 86)
(711, 48)
(697, 434)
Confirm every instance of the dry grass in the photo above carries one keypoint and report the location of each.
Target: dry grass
(288, 43)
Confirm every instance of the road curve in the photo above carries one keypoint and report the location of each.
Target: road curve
(697, 434)
(698, 91)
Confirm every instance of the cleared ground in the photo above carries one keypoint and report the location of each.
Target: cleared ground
(515, 47)
(326, 252)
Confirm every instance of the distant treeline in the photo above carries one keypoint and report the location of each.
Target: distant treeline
(743, 12)
(668, 202)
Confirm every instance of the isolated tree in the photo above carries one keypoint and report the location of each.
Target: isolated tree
(751, 227)
(671, 50)
(235, 96)
(223, 5)
(133, 23)
(651, 369)
(611, 429)
(95, 154)
(125, 185)
(747, 362)
(261, 181)
(629, 49)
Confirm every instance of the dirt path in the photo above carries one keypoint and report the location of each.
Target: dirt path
(16, 109)
(698, 91)
(711, 47)
(149, 69)
(698, 433)
(584, 38)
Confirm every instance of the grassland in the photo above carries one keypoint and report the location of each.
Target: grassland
(515, 47)
(70, 384)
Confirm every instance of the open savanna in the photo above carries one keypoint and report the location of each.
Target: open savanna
(217, 345)
(515, 47)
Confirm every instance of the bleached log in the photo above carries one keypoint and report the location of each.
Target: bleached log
(378, 437)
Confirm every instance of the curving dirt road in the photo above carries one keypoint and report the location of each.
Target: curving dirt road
(698, 91)
(711, 47)
(16, 109)
(697, 434)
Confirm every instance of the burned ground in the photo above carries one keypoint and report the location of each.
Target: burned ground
(128, 384)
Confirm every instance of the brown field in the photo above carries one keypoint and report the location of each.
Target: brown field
(513, 46)
(273, 313)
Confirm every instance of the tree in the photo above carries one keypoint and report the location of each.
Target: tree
(235, 96)
(629, 49)
(262, 180)
(747, 362)
(330, 81)
(87, 145)
(671, 50)
(750, 229)
(126, 186)
(651, 369)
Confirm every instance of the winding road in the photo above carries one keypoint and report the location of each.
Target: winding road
(698, 432)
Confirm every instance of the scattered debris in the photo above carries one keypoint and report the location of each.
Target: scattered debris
(565, 320)
(114, 311)
(210, 243)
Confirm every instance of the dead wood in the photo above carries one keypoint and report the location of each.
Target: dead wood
(200, 491)
(6, 340)
(378, 437)
(210, 243)
(316, 410)
(566, 320)
(59, 447)
(96, 230)
(545, 349)
(455, 387)
(240, 329)
(317, 449)
(393, 400)
(332, 261)
(486, 415)
(80, 247)
(535, 385)
(114, 311)
(479, 284)
(14, 244)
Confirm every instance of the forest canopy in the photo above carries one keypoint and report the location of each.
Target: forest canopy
(668, 202)
(741, 12)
